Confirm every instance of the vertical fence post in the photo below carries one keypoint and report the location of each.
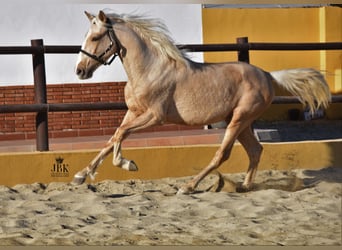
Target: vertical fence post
(42, 133)
(243, 54)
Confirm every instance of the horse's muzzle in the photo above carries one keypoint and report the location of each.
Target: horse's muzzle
(82, 73)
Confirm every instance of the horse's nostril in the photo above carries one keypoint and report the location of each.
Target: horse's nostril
(79, 71)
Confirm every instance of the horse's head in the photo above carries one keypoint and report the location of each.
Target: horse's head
(100, 46)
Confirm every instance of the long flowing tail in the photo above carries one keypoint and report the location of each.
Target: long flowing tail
(306, 83)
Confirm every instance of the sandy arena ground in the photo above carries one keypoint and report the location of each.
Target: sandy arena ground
(294, 207)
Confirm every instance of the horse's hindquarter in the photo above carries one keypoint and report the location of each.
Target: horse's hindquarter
(209, 92)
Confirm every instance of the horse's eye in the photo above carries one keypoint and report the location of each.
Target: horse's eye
(96, 38)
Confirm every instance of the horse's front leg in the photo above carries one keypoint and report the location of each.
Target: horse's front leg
(145, 120)
(130, 123)
(90, 170)
(121, 162)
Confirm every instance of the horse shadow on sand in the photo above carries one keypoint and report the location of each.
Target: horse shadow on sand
(287, 181)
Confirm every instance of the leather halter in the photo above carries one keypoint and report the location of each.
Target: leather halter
(113, 40)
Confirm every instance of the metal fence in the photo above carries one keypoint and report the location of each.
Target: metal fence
(38, 50)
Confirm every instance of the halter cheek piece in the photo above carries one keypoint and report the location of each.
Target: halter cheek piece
(113, 40)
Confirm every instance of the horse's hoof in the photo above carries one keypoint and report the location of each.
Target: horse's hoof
(185, 191)
(78, 180)
(130, 166)
(244, 188)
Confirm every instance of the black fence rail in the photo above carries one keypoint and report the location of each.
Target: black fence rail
(41, 107)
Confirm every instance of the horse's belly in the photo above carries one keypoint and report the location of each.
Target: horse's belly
(198, 113)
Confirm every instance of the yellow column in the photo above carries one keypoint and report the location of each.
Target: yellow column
(322, 38)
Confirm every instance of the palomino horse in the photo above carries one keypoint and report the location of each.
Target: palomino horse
(165, 86)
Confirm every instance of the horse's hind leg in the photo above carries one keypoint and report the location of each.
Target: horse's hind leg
(254, 151)
(237, 124)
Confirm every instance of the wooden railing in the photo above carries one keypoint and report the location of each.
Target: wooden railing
(38, 51)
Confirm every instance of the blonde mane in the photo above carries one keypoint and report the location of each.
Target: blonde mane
(154, 31)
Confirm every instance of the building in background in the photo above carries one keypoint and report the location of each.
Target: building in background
(65, 24)
(280, 24)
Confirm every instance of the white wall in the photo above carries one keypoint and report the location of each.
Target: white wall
(66, 24)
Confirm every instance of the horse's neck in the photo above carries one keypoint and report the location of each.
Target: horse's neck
(139, 59)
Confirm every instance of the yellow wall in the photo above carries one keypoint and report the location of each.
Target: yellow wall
(163, 162)
(331, 61)
(224, 25)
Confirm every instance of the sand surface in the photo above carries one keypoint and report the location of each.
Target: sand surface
(295, 207)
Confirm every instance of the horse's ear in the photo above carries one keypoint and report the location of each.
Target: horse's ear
(90, 16)
(102, 16)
